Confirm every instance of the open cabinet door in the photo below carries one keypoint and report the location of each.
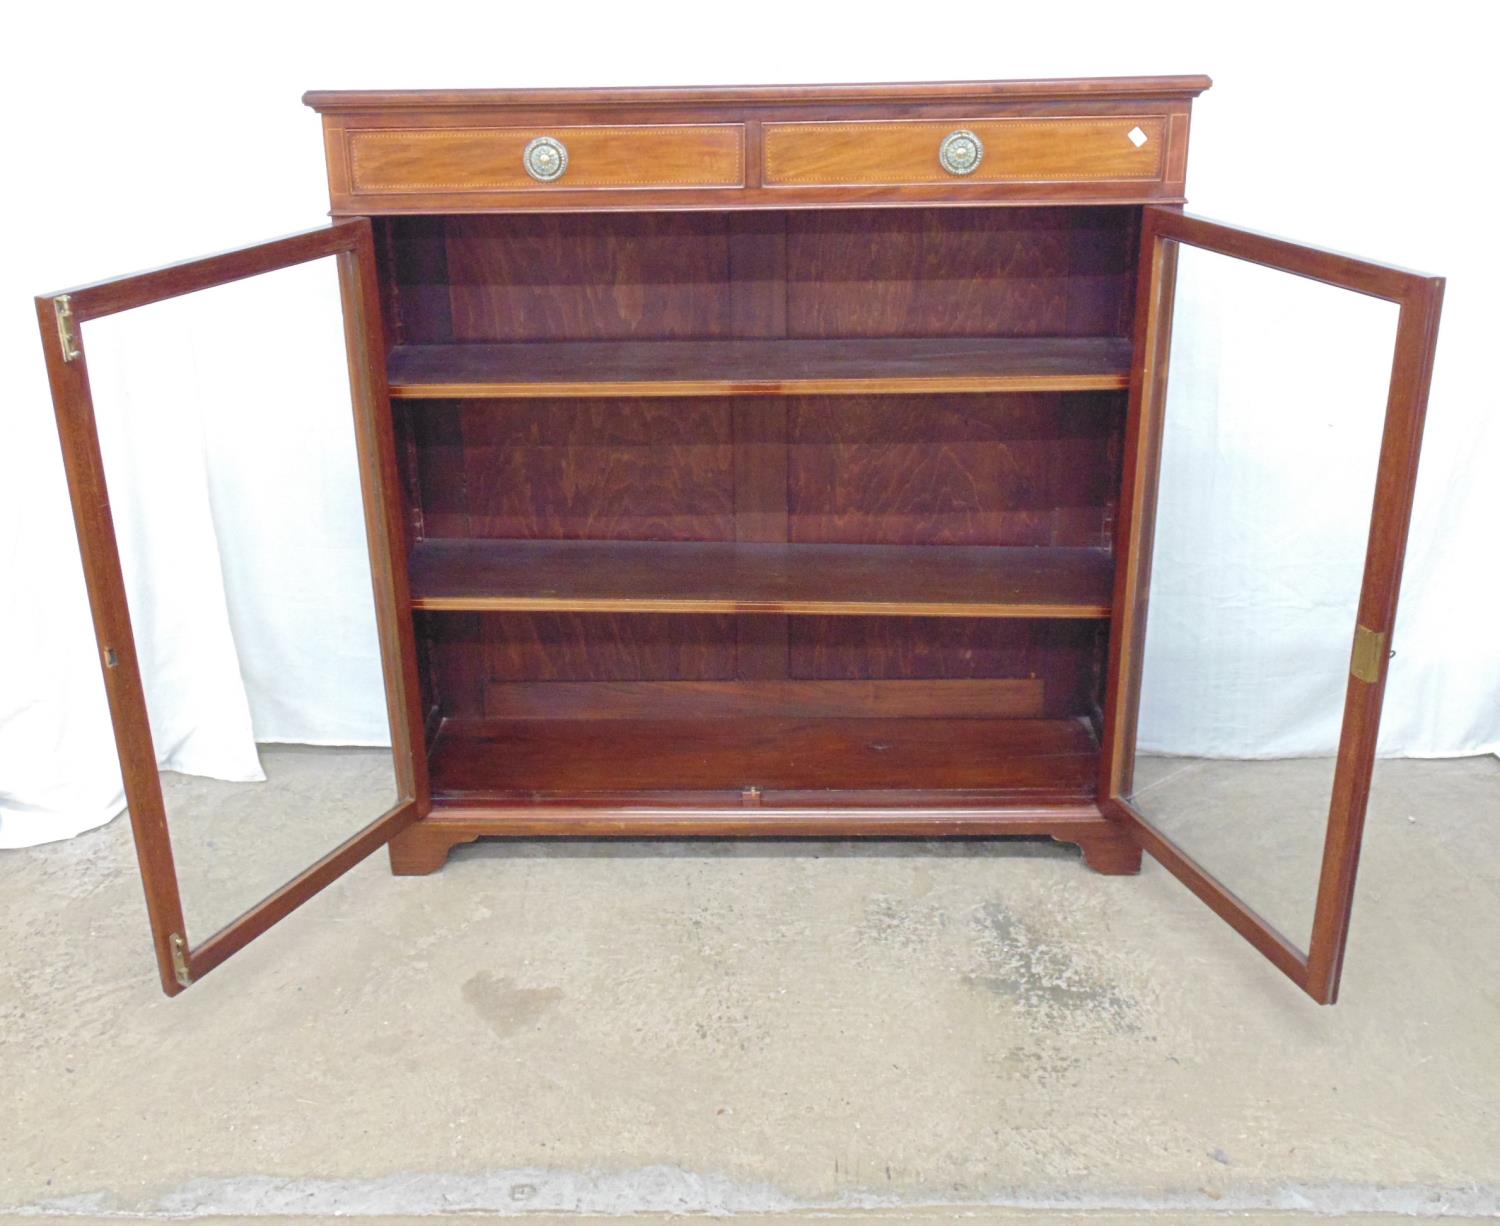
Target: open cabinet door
(61, 317)
(1167, 238)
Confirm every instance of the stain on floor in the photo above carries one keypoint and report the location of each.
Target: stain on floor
(1044, 976)
(505, 1008)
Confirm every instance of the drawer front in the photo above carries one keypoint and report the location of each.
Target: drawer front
(455, 160)
(907, 153)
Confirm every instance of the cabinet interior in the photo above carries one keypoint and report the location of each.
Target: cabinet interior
(742, 507)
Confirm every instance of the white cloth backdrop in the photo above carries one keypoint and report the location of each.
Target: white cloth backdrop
(237, 506)
(1275, 401)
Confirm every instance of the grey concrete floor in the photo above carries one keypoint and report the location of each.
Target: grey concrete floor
(902, 1032)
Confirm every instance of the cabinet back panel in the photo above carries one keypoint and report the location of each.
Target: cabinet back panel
(474, 656)
(975, 469)
(470, 651)
(927, 469)
(953, 470)
(577, 469)
(1064, 656)
(960, 272)
(814, 274)
(636, 276)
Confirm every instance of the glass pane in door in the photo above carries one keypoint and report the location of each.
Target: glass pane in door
(1274, 410)
(227, 433)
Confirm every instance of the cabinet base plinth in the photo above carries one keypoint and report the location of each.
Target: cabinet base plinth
(1113, 852)
(423, 847)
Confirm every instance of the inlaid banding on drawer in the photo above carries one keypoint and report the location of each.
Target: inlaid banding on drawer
(894, 154)
(384, 160)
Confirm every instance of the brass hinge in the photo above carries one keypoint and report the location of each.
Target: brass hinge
(67, 330)
(180, 970)
(1369, 654)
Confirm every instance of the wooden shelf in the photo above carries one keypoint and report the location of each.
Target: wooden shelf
(732, 577)
(778, 760)
(759, 367)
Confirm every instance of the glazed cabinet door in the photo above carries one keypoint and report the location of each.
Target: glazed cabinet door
(1267, 494)
(342, 255)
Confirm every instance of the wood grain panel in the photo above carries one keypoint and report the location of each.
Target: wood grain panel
(647, 276)
(757, 271)
(967, 272)
(1101, 272)
(892, 94)
(1063, 655)
(642, 470)
(455, 653)
(579, 758)
(437, 151)
(957, 470)
(1056, 149)
(857, 648)
(756, 577)
(1069, 660)
(436, 463)
(424, 846)
(933, 814)
(760, 508)
(576, 647)
(760, 470)
(1010, 697)
(470, 651)
(416, 277)
(912, 275)
(405, 160)
(880, 366)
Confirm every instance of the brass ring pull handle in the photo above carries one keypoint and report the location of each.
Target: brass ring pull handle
(961, 152)
(545, 159)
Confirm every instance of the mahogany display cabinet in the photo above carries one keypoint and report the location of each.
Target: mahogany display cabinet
(760, 462)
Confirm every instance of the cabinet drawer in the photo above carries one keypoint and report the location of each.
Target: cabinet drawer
(481, 159)
(1023, 150)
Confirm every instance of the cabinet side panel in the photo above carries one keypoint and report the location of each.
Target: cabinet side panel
(417, 259)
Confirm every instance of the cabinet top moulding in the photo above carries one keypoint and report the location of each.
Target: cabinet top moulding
(329, 100)
(1102, 140)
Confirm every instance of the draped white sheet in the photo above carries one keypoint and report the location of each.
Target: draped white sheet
(249, 591)
(1273, 417)
(226, 428)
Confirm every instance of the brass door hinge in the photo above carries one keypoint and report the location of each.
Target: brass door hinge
(180, 969)
(1369, 654)
(67, 329)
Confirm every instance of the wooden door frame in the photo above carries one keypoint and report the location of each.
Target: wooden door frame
(60, 317)
(1419, 299)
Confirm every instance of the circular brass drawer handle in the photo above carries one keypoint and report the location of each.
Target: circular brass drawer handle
(961, 152)
(545, 159)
